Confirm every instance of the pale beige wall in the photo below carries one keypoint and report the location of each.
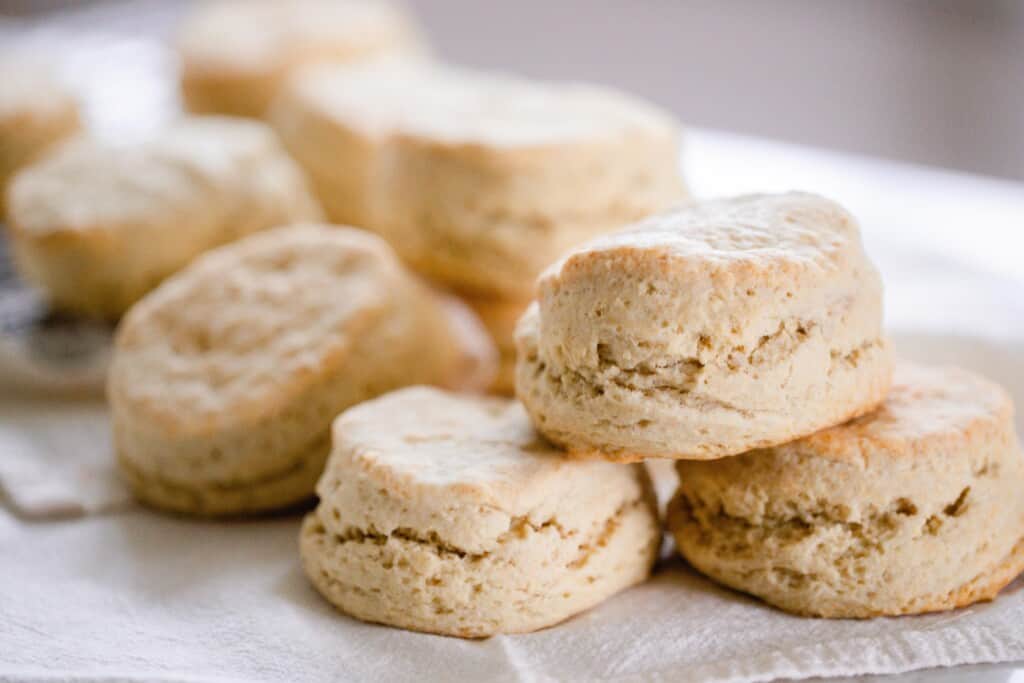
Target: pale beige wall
(932, 81)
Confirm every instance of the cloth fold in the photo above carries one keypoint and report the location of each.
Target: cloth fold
(56, 459)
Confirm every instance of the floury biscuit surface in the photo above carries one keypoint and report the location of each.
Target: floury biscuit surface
(914, 508)
(449, 514)
(478, 180)
(225, 379)
(236, 54)
(706, 331)
(36, 112)
(97, 225)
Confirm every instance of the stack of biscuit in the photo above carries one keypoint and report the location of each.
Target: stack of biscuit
(742, 338)
(263, 357)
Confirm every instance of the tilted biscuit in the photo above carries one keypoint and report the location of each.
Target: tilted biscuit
(97, 225)
(36, 112)
(706, 331)
(478, 180)
(236, 54)
(449, 515)
(225, 379)
(914, 508)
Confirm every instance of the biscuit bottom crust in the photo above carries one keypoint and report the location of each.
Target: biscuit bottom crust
(821, 601)
(291, 485)
(538, 576)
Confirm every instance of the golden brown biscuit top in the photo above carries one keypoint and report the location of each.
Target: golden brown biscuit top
(762, 233)
(926, 407)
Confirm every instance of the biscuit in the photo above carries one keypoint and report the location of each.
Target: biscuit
(236, 54)
(478, 180)
(36, 112)
(914, 508)
(97, 225)
(449, 515)
(706, 331)
(499, 317)
(225, 378)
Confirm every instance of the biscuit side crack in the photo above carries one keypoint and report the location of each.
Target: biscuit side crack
(868, 534)
(642, 379)
(519, 527)
(851, 359)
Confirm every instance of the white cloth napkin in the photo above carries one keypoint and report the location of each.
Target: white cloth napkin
(140, 597)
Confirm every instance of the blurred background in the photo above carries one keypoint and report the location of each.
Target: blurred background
(937, 82)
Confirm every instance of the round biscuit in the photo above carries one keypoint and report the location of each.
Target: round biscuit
(225, 379)
(913, 508)
(477, 180)
(449, 514)
(97, 225)
(706, 331)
